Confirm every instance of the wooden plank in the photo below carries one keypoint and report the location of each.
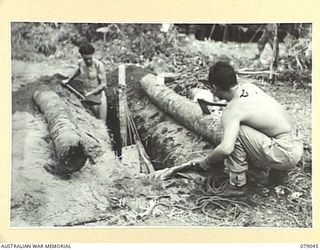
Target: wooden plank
(131, 159)
(123, 104)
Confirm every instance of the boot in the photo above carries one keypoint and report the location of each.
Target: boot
(233, 191)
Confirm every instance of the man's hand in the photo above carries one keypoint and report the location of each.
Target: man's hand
(65, 81)
(163, 174)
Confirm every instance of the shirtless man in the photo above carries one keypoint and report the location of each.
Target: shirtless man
(258, 134)
(93, 75)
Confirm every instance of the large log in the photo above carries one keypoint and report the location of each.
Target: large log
(166, 142)
(63, 129)
(183, 110)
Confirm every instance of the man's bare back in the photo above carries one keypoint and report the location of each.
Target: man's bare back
(258, 110)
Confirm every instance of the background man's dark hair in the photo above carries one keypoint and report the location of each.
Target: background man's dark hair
(86, 49)
(222, 75)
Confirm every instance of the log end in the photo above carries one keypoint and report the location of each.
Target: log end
(74, 158)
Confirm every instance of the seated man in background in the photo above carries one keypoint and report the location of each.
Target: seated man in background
(258, 134)
(93, 75)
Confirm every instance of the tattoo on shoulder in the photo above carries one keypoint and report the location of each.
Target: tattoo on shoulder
(244, 93)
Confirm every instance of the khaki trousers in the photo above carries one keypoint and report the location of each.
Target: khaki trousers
(255, 154)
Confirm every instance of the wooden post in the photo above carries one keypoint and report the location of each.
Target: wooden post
(122, 104)
(225, 33)
(274, 60)
(212, 30)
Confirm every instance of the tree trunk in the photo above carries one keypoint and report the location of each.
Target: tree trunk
(183, 110)
(274, 60)
(63, 129)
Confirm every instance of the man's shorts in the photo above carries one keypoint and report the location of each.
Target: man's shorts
(256, 152)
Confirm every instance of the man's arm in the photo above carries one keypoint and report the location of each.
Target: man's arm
(231, 125)
(101, 74)
(75, 74)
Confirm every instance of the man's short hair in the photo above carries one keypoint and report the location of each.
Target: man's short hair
(222, 75)
(86, 49)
